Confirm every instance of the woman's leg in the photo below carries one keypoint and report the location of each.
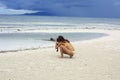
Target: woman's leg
(63, 50)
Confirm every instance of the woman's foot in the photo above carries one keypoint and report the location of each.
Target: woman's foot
(71, 56)
(61, 57)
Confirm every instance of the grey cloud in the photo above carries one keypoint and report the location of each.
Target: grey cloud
(68, 7)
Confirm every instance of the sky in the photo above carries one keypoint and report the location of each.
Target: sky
(77, 8)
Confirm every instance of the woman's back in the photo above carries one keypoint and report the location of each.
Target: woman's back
(69, 46)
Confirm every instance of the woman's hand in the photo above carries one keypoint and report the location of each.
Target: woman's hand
(56, 45)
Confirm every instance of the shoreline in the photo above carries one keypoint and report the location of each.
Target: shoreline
(26, 49)
(58, 30)
(49, 46)
(96, 59)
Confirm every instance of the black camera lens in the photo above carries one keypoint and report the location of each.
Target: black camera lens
(57, 50)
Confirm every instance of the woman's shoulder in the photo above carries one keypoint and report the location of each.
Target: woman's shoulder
(67, 40)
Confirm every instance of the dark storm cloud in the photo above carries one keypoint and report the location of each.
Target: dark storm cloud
(93, 8)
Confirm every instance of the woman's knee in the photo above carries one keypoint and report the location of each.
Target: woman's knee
(61, 46)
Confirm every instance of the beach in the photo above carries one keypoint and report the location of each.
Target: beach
(95, 59)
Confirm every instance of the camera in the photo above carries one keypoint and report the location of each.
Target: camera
(57, 50)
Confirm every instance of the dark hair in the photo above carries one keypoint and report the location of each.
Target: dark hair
(61, 39)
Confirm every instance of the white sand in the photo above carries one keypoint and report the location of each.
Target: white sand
(97, 59)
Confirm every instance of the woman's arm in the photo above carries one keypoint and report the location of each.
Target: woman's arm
(56, 45)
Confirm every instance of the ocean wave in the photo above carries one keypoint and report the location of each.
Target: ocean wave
(23, 41)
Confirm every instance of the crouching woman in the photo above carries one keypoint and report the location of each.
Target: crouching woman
(64, 46)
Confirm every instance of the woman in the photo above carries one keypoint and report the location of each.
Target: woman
(65, 46)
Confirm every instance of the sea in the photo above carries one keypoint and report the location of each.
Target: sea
(33, 32)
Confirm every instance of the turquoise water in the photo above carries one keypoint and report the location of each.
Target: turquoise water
(15, 41)
(11, 37)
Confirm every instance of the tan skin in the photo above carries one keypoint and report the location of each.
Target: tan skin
(65, 48)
